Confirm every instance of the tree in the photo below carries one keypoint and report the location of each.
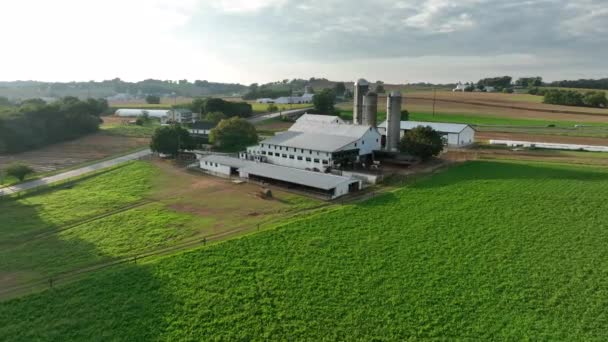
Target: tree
(380, 87)
(340, 89)
(215, 117)
(405, 115)
(272, 108)
(152, 99)
(18, 170)
(422, 142)
(595, 99)
(324, 101)
(233, 134)
(171, 139)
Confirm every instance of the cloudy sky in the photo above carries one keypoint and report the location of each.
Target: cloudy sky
(264, 40)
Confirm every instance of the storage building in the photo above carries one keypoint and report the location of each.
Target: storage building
(454, 135)
(327, 185)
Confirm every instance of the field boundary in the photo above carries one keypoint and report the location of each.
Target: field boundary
(476, 103)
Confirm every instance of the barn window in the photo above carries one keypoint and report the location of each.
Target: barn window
(307, 159)
(325, 162)
(284, 156)
(291, 156)
(316, 160)
(299, 157)
(264, 152)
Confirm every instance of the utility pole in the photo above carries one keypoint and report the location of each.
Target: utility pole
(434, 99)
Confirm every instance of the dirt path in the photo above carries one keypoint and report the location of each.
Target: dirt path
(73, 173)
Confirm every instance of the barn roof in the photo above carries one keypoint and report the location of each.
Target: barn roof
(297, 176)
(310, 141)
(335, 129)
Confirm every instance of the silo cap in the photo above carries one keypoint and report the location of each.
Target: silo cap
(371, 93)
(395, 93)
(362, 81)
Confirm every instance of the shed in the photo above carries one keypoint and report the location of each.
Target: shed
(454, 134)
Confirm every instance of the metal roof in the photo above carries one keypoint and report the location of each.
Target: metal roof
(335, 129)
(320, 118)
(292, 175)
(310, 141)
(228, 161)
(155, 113)
(203, 125)
(438, 126)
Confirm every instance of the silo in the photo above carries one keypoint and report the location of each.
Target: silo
(370, 109)
(393, 121)
(361, 88)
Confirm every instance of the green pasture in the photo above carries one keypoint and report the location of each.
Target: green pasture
(482, 251)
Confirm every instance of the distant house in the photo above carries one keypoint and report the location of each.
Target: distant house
(179, 115)
(202, 128)
(460, 87)
(489, 89)
(265, 100)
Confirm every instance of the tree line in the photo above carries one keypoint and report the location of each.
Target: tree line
(34, 123)
(595, 99)
(601, 83)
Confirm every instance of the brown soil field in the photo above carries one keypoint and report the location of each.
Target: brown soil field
(498, 105)
(66, 154)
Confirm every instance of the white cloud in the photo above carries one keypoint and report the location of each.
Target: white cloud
(240, 6)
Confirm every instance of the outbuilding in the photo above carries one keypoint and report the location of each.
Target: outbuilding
(454, 135)
(326, 185)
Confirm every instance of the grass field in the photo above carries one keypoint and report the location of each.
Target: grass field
(125, 211)
(120, 127)
(483, 251)
(259, 108)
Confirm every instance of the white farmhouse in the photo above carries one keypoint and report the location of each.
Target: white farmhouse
(454, 135)
(460, 87)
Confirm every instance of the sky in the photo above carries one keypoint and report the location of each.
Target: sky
(246, 41)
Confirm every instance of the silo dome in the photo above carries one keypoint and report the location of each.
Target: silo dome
(396, 93)
(362, 81)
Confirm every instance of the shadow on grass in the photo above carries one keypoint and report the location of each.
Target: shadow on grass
(70, 310)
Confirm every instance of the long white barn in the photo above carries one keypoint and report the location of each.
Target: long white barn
(455, 135)
(331, 186)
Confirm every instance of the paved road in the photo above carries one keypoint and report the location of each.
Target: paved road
(73, 173)
(277, 114)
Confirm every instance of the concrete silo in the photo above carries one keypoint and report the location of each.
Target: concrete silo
(393, 121)
(370, 109)
(361, 88)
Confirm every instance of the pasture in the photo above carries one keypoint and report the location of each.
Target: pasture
(482, 251)
(125, 211)
(259, 108)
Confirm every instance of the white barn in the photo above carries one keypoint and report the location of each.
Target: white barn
(317, 142)
(454, 135)
(153, 113)
(328, 185)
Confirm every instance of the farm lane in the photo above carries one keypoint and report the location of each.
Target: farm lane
(263, 117)
(73, 173)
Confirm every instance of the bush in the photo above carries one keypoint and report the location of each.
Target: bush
(422, 142)
(18, 170)
(272, 108)
(152, 99)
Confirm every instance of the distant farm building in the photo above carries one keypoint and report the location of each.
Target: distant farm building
(460, 87)
(454, 135)
(165, 115)
(202, 128)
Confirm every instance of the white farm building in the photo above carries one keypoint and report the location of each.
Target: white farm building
(455, 135)
(327, 185)
(317, 142)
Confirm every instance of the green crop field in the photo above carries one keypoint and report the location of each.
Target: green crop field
(482, 251)
(263, 107)
(125, 211)
(128, 130)
(479, 120)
